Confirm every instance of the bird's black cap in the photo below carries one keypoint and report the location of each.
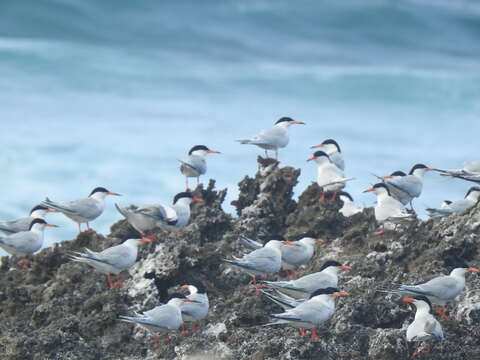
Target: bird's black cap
(182, 195)
(332, 142)
(416, 167)
(326, 291)
(329, 263)
(283, 119)
(199, 285)
(344, 193)
(320, 153)
(37, 221)
(398, 173)
(38, 207)
(98, 189)
(198, 147)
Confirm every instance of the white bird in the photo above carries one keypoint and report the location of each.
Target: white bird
(332, 149)
(171, 218)
(329, 177)
(302, 288)
(311, 314)
(274, 138)
(23, 224)
(349, 208)
(388, 209)
(197, 310)
(195, 165)
(161, 319)
(263, 261)
(424, 327)
(395, 191)
(456, 207)
(27, 242)
(441, 289)
(410, 184)
(112, 260)
(83, 210)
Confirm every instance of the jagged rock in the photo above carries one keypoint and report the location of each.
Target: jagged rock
(64, 310)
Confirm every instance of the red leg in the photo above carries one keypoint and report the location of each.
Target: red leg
(381, 232)
(194, 327)
(442, 312)
(415, 353)
(323, 198)
(79, 228)
(303, 332)
(184, 330)
(314, 334)
(155, 343)
(109, 279)
(118, 282)
(334, 197)
(25, 263)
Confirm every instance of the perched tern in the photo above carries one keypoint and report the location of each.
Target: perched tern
(456, 207)
(274, 138)
(197, 310)
(311, 314)
(395, 191)
(195, 165)
(410, 184)
(161, 319)
(112, 260)
(170, 218)
(349, 208)
(23, 224)
(27, 242)
(425, 327)
(83, 210)
(388, 209)
(329, 177)
(303, 287)
(332, 149)
(263, 261)
(441, 289)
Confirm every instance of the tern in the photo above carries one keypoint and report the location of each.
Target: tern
(274, 138)
(303, 287)
(441, 289)
(425, 327)
(24, 243)
(112, 260)
(388, 209)
(349, 208)
(332, 149)
(456, 207)
(83, 210)
(329, 177)
(197, 310)
(195, 165)
(23, 224)
(311, 314)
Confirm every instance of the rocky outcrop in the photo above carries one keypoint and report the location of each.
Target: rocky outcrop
(64, 310)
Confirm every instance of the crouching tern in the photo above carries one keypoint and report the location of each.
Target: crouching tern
(198, 309)
(274, 138)
(161, 319)
(303, 287)
(83, 210)
(170, 218)
(349, 208)
(23, 224)
(332, 149)
(424, 327)
(441, 289)
(311, 314)
(459, 206)
(112, 260)
(195, 165)
(24, 243)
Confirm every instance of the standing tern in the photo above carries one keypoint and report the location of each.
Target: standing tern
(332, 149)
(194, 165)
(27, 242)
(274, 138)
(23, 224)
(329, 177)
(161, 319)
(197, 310)
(441, 289)
(425, 327)
(298, 253)
(311, 314)
(349, 208)
(83, 210)
(411, 184)
(263, 261)
(303, 287)
(112, 260)
(170, 218)
(388, 209)
(456, 207)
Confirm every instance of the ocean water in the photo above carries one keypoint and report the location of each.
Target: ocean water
(111, 93)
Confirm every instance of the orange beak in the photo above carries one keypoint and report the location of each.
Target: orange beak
(387, 177)
(51, 210)
(145, 240)
(213, 152)
(341, 293)
(345, 267)
(51, 225)
(316, 146)
(187, 300)
(319, 240)
(312, 158)
(408, 300)
(429, 169)
(113, 193)
(291, 243)
(297, 122)
(197, 200)
(472, 269)
(369, 190)
(184, 286)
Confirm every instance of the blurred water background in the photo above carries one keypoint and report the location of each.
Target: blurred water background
(111, 93)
